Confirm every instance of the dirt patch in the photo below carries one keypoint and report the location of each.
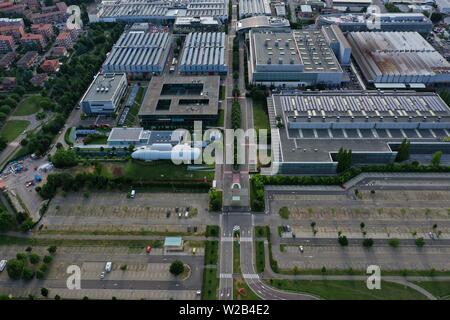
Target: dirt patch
(117, 171)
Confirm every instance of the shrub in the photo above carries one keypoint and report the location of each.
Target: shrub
(394, 242)
(177, 267)
(34, 258)
(48, 259)
(368, 242)
(284, 213)
(343, 241)
(420, 242)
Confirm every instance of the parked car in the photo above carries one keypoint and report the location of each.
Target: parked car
(102, 275)
(300, 248)
(108, 266)
(3, 265)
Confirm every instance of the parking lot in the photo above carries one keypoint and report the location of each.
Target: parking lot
(359, 258)
(114, 211)
(21, 183)
(145, 275)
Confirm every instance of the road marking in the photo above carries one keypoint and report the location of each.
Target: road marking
(250, 276)
(226, 276)
(246, 239)
(226, 239)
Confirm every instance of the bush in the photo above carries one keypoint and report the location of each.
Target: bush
(64, 158)
(368, 242)
(343, 241)
(34, 258)
(44, 292)
(40, 275)
(51, 249)
(48, 259)
(15, 268)
(27, 274)
(177, 268)
(394, 242)
(284, 213)
(420, 242)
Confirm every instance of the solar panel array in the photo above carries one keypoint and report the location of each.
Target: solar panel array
(335, 104)
(138, 51)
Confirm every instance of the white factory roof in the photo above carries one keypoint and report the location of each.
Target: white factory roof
(203, 48)
(138, 48)
(262, 22)
(249, 8)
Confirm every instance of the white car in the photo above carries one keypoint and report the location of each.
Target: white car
(102, 275)
(108, 266)
(300, 248)
(186, 214)
(3, 265)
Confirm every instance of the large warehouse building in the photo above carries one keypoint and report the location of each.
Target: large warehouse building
(398, 57)
(171, 102)
(292, 58)
(250, 8)
(204, 52)
(161, 11)
(416, 22)
(104, 94)
(139, 52)
(315, 125)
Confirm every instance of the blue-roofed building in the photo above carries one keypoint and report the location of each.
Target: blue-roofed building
(173, 244)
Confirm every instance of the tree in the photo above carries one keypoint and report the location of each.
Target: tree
(27, 224)
(436, 160)
(344, 160)
(44, 292)
(15, 268)
(47, 259)
(368, 242)
(403, 151)
(27, 274)
(3, 116)
(343, 241)
(57, 297)
(34, 258)
(64, 158)
(362, 225)
(6, 221)
(420, 242)
(323, 270)
(176, 268)
(51, 249)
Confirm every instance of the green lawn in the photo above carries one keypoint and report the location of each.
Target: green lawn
(221, 120)
(210, 284)
(212, 231)
(132, 117)
(98, 139)
(262, 231)
(162, 170)
(29, 105)
(260, 117)
(236, 257)
(260, 258)
(241, 291)
(440, 289)
(222, 93)
(348, 290)
(13, 128)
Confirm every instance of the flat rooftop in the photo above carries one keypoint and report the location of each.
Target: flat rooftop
(104, 87)
(181, 95)
(316, 143)
(397, 53)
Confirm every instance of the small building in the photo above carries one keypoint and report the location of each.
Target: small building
(124, 137)
(39, 79)
(50, 66)
(7, 44)
(7, 60)
(28, 60)
(8, 84)
(173, 244)
(64, 39)
(104, 94)
(46, 29)
(192, 24)
(57, 52)
(443, 6)
(37, 40)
